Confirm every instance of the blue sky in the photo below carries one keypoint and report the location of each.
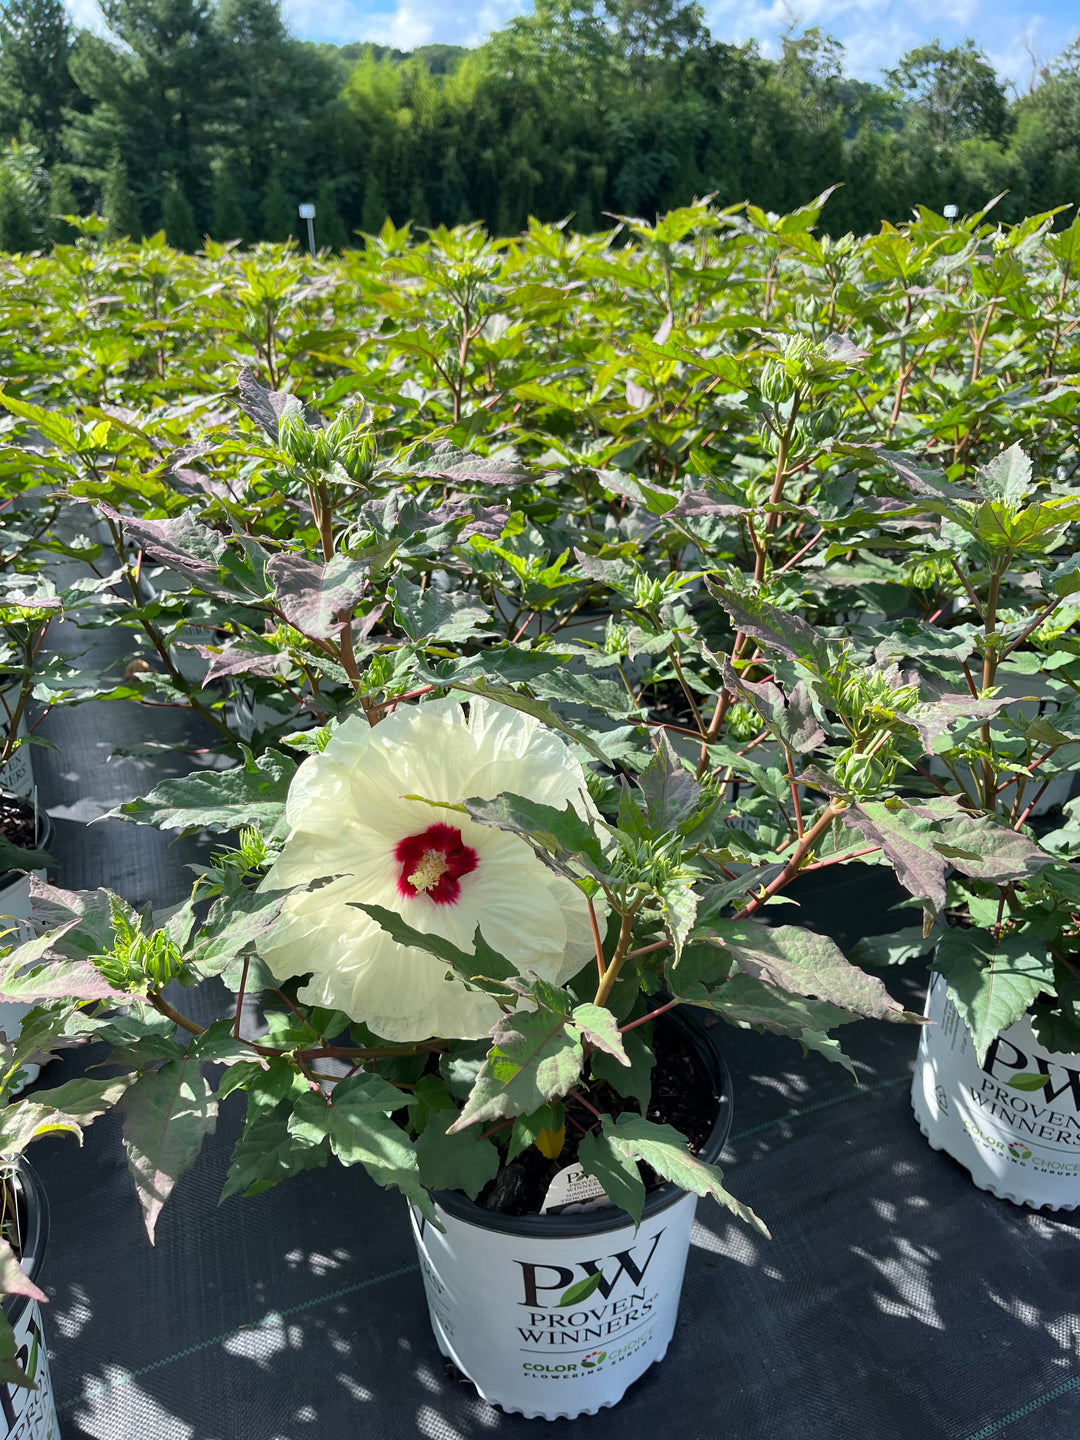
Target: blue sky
(874, 32)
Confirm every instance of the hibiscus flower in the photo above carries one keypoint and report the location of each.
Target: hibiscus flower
(443, 873)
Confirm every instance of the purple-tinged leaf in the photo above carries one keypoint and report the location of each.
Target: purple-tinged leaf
(983, 848)
(313, 596)
(936, 717)
(927, 484)
(168, 1114)
(13, 1279)
(236, 659)
(801, 962)
(776, 631)
(908, 844)
(637, 397)
(265, 407)
(444, 461)
(55, 980)
(671, 792)
(601, 1029)
(791, 718)
(702, 505)
(486, 520)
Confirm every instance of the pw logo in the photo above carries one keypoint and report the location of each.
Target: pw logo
(548, 1279)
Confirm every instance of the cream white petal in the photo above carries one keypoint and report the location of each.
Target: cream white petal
(348, 811)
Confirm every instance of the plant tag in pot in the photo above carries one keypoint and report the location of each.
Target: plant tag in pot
(572, 1192)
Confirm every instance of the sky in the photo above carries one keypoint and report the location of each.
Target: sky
(875, 33)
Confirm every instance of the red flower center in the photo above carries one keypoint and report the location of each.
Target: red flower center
(432, 864)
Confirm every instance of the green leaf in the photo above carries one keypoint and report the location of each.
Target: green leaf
(14, 857)
(1007, 477)
(635, 1082)
(600, 1027)
(460, 1161)
(527, 1129)
(82, 1099)
(892, 948)
(360, 1132)
(168, 1113)
(26, 1121)
(560, 831)
(992, 983)
(11, 1372)
(616, 1169)
(234, 923)
(1057, 1033)
(802, 963)
(485, 969)
(432, 1101)
(534, 1058)
(267, 1153)
(631, 1138)
(253, 793)
(434, 615)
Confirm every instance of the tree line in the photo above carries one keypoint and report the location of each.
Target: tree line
(206, 117)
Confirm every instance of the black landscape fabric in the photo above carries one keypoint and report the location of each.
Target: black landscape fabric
(896, 1301)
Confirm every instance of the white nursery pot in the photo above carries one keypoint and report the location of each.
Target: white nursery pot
(500, 1291)
(29, 1414)
(16, 910)
(1020, 1144)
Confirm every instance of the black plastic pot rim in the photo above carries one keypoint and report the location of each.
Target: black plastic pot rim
(611, 1217)
(35, 1207)
(44, 840)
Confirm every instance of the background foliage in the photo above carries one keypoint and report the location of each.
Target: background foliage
(206, 117)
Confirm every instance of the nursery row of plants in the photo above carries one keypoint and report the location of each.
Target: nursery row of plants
(547, 608)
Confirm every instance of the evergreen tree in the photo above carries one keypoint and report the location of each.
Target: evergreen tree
(61, 202)
(229, 222)
(329, 226)
(23, 192)
(35, 82)
(280, 221)
(375, 207)
(154, 84)
(118, 204)
(178, 218)
(275, 89)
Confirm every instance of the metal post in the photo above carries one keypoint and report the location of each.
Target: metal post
(307, 212)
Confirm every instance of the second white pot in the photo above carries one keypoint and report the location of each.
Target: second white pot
(1014, 1121)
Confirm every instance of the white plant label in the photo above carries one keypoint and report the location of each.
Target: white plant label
(573, 1192)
